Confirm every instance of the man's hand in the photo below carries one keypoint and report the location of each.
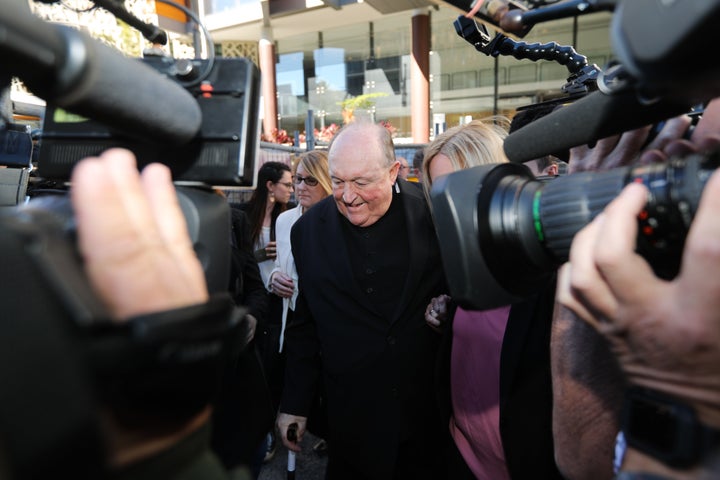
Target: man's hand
(666, 335)
(284, 420)
(133, 237)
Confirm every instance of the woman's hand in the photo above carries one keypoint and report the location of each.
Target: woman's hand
(282, 285)
(436, 313)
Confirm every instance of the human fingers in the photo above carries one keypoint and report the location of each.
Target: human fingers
(251, 327)
(117, 235)
(584, 158)
(565, 299)
(625, 150)
(284, 420)
(475, 9)
(431, 316)
(171, 225)
(282, 285)
(586, 286)
(701, 257)
(284, 280)
(576, 156)
(673, 129)
(627, 275)
(709, 124)
(100, 205)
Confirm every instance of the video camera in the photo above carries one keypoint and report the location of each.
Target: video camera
(59, 349)
(503, 233)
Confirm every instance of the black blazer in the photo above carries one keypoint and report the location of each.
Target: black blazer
(243, 412)
(525, 388)
(377, 371)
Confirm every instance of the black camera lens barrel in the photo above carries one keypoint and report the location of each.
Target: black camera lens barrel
(508, 244)
(566, 205)
(674, 187)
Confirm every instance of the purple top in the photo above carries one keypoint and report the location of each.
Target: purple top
(475, 387)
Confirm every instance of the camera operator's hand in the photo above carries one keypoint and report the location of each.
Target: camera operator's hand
(621, 150)
(665, 335)
(588, 385)
(133, 237)
(705, 137)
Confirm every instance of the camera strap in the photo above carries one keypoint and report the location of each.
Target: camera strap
(165, 365)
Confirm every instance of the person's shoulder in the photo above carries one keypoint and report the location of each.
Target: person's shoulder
(237, 212)
(317, 213)
(412, 189)
(238, 217)
(413, 194)
(291, 212)
(288, 216)
(243, 207)
(321, 208)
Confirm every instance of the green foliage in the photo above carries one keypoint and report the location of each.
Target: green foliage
(362, 102)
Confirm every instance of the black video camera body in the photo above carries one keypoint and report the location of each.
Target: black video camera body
(503, 232)
(221, 154)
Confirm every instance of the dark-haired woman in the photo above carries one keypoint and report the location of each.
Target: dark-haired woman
(270, 198)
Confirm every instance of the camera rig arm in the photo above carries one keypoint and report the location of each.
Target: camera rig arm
(151, 32)
(582, 76)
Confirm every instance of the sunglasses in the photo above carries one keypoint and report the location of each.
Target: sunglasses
(309, 181)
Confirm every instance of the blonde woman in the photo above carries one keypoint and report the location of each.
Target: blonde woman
(476, 143)
(312, 184)
(498, 412)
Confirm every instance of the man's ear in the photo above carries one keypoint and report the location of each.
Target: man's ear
(394, 171)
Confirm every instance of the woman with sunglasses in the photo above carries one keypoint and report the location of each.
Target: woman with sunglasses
(312, 184)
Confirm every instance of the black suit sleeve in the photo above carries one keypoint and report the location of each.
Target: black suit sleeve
(302, 347)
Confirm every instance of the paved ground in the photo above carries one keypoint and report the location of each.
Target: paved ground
(308, 464)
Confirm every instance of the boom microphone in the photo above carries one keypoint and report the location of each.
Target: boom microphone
(68, 68)
(666, 51)
(597, 115)
(519, 21)
(149, 31)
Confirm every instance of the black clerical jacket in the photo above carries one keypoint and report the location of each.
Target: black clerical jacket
(377, 371)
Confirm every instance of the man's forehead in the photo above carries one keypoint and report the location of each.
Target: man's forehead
(357, 157)
(356, 164)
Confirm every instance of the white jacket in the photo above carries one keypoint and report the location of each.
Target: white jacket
(284, 261)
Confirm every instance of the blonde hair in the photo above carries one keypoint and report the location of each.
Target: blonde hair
(315, 163)
(476, 143)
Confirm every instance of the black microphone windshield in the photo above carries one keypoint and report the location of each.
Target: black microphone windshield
(129, 96)
(71, 70)
(591, 118)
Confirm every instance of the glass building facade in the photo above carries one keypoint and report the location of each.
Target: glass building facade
(318, 71)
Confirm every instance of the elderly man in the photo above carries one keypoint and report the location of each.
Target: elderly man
(368, 264)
